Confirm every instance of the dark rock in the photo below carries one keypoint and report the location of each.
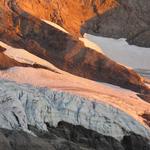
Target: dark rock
(146, 97)
(135, 142)
(146, 117)
(68, 137)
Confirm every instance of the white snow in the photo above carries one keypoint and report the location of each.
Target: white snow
(91, 45)
(120, 51)
(123, 99)
(23, 56)
(55, 26)
(38, 106)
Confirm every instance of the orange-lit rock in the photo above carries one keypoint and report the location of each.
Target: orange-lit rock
(70, 14)
(112, 18)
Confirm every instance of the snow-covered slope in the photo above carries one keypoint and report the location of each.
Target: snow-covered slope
(41, 106)
(125, 100)
(120, 98)
(23, 56)
(123, 53)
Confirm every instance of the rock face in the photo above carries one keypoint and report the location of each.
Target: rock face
(25, 31)
(23, 105)
(68, 137)
(113, 18)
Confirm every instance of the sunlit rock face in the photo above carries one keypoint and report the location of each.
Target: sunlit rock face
(111, 18)
(70, 14)
(23, 105)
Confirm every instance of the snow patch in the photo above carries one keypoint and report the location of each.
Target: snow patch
(90, 44)
(120, 51)
(23, 56)
(56, 26)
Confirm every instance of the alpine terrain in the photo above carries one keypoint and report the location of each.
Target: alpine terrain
(74, 75)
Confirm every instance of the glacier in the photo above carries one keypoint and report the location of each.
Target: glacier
(22, 105)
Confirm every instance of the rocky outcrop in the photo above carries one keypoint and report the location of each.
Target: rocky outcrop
(23, 105)
(111, 18)
(26, 31)
(68, 137)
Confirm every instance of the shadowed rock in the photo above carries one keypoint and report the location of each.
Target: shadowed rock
(69, 137)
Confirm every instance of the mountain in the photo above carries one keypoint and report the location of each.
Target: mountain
(43, 108)
(112, 18)
(60, 89)
(25, 31)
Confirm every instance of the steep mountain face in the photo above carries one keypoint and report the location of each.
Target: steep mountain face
(22, 30)
(113, 18)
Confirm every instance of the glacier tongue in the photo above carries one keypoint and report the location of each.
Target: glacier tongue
(22, 104)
